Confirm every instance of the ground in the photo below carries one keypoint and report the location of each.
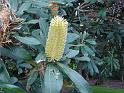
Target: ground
(110, 83)
(114, 86)
(98, 89)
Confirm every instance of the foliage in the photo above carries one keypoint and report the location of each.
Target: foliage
(94, 42)
(8, 88)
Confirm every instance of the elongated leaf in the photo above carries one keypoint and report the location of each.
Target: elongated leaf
(40, 3)
(28, 40)
(89, 67)
(33, 77)
(76, 78)
(72, 37)
(4, 75)
(72, 53)
(6, 52)
(43, 26)
(53, 80)
(25, 65)
(84, 36)
(91, 41)
(8, 88)
(40, 57)
(32, 22)
(85, 58)
(38, 34)
(95, 67)
(21, 53)
(88, 50)
(24, 7)
(14, 5)
(91, 1)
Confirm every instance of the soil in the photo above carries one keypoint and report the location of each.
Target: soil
(110, 83)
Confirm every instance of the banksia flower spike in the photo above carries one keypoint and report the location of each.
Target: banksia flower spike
(56, 38)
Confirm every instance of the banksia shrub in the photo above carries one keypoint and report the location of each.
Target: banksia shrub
(56, 38)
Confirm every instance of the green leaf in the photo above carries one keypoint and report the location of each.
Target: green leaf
(32, 22)
(91, 1)
(40, 3)
(84, 36)
(72, 37)
(33, 77)
(102, 1)
(13, 80)
(76, 78)
(4, 75)
(95, 67)
(92, 68)
(6, 52)
(23, 7)
(53, 79)
(66, 49)
(25, 65)
(8, 88)
(72, 53)
(91, 41)
(0, 66)
(102, 13)
(43, 38)
(40, 57)
(88, 50)
(28, 40)
(14, 5)
(89, 67)
(43, 26)
(85, 58)
(20, 53)
(38, 34)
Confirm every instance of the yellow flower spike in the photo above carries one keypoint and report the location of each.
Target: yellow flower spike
(56, 38)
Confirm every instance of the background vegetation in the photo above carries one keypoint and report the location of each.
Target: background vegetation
(94, 46)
